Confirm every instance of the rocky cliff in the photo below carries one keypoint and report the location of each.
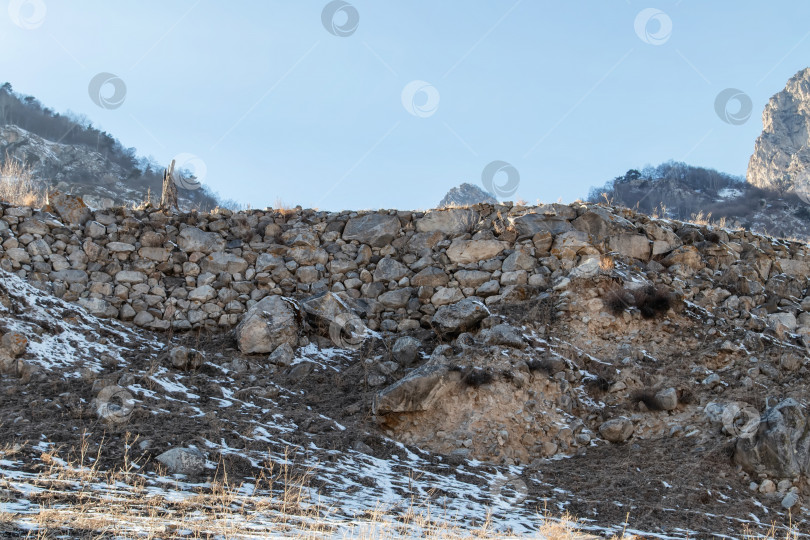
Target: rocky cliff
(782, 152)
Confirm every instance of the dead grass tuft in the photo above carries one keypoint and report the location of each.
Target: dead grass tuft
(17, 185)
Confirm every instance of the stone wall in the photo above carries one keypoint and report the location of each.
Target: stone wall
(205, 270)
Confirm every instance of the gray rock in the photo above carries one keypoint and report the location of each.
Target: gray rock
(519, 260)
(282, 356)
(269, 323)
(460, 317)
(158, 254)
(98, 307)
(69, 207)
(376, 379)
(505, 334)
(406, 350)
(373, 229)
(33, 226)
(39, 247)
(202, 294)
(185, 358)
(450, 221)
(417, 391)
(635, 246)
(789, 500)
(188, 461)
(617, 430)
(128, 276)
(192, 239)
(223, 262)
(94, 229)
(601, 223)
(14, 343)
(69, 276)
(430, 277)
(267, 262)
(531, 224)
(308, 256)
(667, 399)
(120, 247)
(470, 251)
(301, 371)
(781, 445)
(389, 269)
(397, 298)
(143, 318)
(471, 278)
(446, 295)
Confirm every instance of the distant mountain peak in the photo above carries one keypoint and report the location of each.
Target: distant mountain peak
(781, 158)
(466, 195)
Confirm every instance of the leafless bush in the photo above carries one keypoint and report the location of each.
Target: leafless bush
(476, 377)
(650, 300)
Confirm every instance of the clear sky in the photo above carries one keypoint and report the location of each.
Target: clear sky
(320, 104)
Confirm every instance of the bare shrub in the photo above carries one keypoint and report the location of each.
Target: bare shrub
(476, 377)
(651, 300)
(647, 397)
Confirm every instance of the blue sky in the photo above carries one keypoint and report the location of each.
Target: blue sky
(570, 93)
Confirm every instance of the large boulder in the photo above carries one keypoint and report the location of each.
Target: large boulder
(68, 207)
(188, 461)
(327, 307)
(451, 221)
(794, 268)
(617, 430)
(636, 246)
(417, 391)
(460, 317)
(269, 323)
(376, 230)
(221, 261)
(528, 225)
(389, 269)
(430, 277)
(780, 447)
(600, 223)
(471, 251)
(193, 239)
(406, 350)
(684, 255)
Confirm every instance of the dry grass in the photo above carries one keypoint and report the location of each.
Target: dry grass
(75, 499)
(706, 219)
(80, 501)
(283, 209)
(17, 185)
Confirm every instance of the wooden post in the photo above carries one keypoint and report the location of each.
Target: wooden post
(168, 198)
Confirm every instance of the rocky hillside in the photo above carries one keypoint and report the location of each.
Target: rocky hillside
(782, 152)
(65, 152)
(680, 191)
(496, 358)
(84, 172)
